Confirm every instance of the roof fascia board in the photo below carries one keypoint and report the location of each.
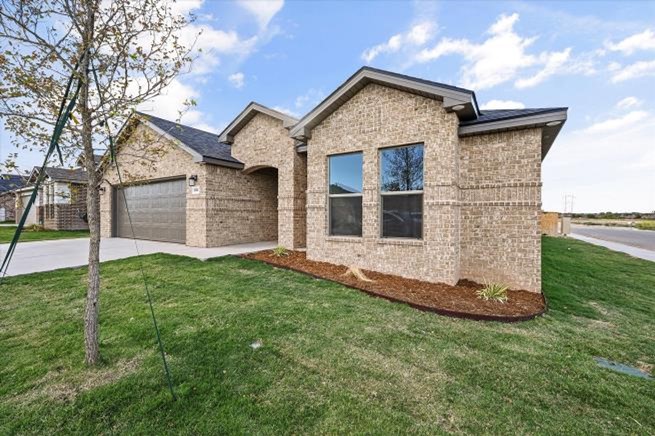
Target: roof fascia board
(29, 188)
(222, 163)
(513, 123)
(227, 135)
(450, 97)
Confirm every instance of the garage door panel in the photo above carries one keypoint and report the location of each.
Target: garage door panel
(158, 211)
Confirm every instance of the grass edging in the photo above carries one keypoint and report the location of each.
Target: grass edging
(421, 307)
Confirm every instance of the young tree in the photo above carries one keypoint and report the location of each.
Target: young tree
(135, 48)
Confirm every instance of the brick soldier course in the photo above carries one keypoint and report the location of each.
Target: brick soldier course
(265, 177)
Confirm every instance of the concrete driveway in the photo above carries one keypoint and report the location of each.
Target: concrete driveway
(38, 256)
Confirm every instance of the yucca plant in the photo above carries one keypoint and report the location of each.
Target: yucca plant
(280, 251)
(494, 292)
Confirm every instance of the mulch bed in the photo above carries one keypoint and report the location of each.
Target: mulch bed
(458, 301)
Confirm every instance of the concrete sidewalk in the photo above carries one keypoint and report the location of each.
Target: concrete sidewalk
(31, 257)
(632, 251)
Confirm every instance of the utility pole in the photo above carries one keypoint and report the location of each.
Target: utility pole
(568, 204)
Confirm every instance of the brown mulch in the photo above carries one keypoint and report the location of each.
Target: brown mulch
(459, 301)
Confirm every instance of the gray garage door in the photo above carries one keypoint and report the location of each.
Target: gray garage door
(158, 211)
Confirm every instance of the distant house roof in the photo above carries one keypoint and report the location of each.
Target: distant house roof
(10, 182)
(76, 175)
(204, 145)
(97, 158)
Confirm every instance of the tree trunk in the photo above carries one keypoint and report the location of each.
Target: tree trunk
(91, 323)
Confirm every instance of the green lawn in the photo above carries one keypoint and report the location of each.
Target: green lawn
(333, 360)
(7, 234)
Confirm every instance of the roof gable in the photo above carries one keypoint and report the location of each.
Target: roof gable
(253, 108)
(74, 175)
(454, 98)
(203, 146)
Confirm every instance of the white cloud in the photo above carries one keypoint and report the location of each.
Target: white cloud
(633, 71)
(502, 104)
(303, 103)
(605, 170)
(629, 102)
(209, 44)
(208, 127)
(263, 10)
(553, 62)
(614, 66)
(287, 111)
(171, 101)
(309, 99)
(502, 56)
(640, 41)
(614, 124)
(237, 80)
(171, 104)
(417, 35)
(185, 7)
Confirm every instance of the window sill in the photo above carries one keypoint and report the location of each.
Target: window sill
(344, 239)
(401, 241)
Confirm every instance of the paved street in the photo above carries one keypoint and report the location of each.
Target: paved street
(38, 256)
(638, 243)
(623, 235)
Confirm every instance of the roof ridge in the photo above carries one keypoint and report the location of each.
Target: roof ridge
(175, 122)
(406, 76)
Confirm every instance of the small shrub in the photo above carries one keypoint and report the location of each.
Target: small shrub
(34, 228)
(646, 225)
(494, 292)
(280, 251)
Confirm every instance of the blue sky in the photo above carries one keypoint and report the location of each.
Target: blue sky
(596, 58)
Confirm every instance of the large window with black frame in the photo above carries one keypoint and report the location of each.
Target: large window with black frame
(401, 191)
(345, 194)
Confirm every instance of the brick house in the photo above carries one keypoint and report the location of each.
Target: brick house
(60, 202)
(9, 183)
(389, 173)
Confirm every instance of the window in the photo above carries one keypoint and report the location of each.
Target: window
(345, 194)
(401, 190)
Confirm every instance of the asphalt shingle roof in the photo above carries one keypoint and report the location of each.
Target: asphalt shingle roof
(489, 115)
(65, 174)
(9, 182)
(205, 143)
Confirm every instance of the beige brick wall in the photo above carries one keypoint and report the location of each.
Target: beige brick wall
(231, 208)
(481, 202)
(147, 155)
(240, 207)
(377, 117)
(264, 142)
(500, 177)
(481, 194)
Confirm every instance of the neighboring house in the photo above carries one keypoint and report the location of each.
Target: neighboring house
(9, 183)
(389, 173)
(61, 200)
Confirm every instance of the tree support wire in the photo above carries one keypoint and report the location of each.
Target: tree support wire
(64, 114)
(112, 156)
